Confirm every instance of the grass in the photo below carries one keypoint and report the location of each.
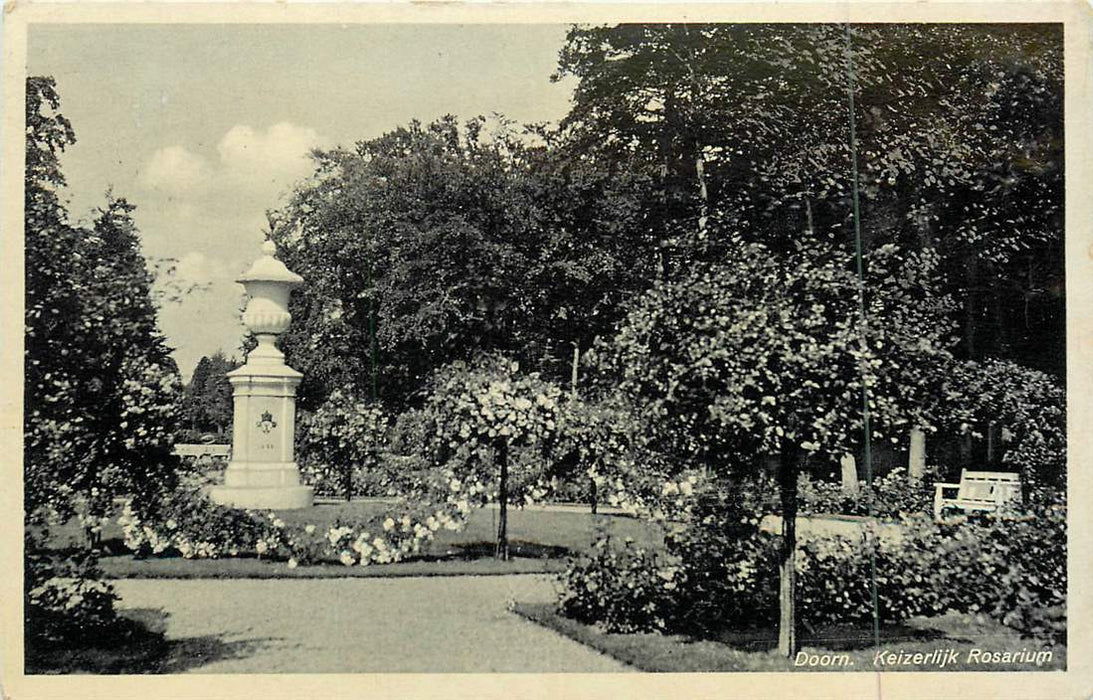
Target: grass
(755, 650)
(540, 540)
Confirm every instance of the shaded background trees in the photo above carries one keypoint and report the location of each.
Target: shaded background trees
(960, 146)
(435, 240)
(207, 398)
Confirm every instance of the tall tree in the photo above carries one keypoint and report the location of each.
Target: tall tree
(194, 395)
(101, 389)
(51, 420)
(434, 242)
(960, 134)
(765, 354)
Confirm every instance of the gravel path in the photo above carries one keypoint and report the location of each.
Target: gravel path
(407, 625)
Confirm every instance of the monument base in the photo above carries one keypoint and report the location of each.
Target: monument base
(263, 497)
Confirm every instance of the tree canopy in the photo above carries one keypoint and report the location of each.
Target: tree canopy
(100, 387)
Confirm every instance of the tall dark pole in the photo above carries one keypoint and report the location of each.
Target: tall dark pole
(862, 324)
(501, 550)
(372, 326)
(788, 642)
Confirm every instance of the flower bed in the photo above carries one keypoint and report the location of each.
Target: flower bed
(190, 525)
(720, 573)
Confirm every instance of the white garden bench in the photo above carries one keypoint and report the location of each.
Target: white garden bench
(978, 491)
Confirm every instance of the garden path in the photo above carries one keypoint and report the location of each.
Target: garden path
(407, 625)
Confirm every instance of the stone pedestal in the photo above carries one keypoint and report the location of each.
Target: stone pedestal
(263, 473)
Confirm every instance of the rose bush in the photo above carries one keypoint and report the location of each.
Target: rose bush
(889, 496)
(341, 446)
(720, 572)
(67, 602)
(188, 524)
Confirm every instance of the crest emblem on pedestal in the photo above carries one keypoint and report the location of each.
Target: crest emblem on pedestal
(267, 423)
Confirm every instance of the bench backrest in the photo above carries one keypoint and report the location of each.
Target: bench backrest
(989, 487)
(202, 450)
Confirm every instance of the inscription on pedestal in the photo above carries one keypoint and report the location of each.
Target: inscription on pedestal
(265, 433)
(266, 425)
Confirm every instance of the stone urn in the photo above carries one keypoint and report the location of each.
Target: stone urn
(263, 472)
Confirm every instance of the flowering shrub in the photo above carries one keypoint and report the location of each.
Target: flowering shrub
(762, 353)
(724, 561)
(1011, 568)
(389, 539)
(485, 423)
(724, 574)
(489, 403)
(624, 589)
(890, 496)
(66, 600)
(188, 524)
(342, 441)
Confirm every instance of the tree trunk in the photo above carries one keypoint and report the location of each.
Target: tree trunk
(703, 195)
(576, 362)
(849, 472)
(347, 482)
(501, 551)
(965, 449)
(372, 330)
(916, 455)
(665, 153)
(992, 452)
(788, 642)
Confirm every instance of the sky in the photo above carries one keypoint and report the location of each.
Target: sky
(205, 127)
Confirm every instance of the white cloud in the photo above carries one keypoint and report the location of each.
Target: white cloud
(252, 164)
(174, 170)
(277, 156)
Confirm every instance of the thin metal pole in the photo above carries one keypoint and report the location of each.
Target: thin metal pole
(372, 326)
(862, 324)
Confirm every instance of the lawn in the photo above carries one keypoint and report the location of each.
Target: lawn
(968, 638)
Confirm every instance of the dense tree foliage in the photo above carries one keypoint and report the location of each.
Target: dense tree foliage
(438, 241)
(768, 353)
(434, 241)
(766, 350)
(959, 131)
(342, 443)
(486, 429)
(100, 387)
(100, 392)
